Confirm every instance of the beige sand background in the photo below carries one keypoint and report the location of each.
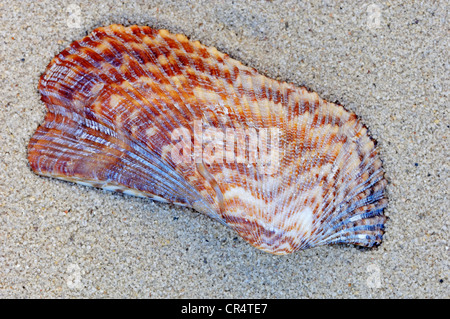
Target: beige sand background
(386, 61)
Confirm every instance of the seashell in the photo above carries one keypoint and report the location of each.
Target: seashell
(152, 114)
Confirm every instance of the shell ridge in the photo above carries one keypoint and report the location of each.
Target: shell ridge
(353, 192)
(330, 216)
(182, 69)
(130, 50)
(52, 108)
(179, 93)
(200, 167)
(113, 35)
(82, 145)
(153, 58)
(254, 188)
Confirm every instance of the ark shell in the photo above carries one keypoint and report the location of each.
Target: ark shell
(122, 99)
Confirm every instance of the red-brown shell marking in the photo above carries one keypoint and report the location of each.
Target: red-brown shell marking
(116, 97)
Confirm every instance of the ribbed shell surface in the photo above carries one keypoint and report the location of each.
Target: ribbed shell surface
(117, 97)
